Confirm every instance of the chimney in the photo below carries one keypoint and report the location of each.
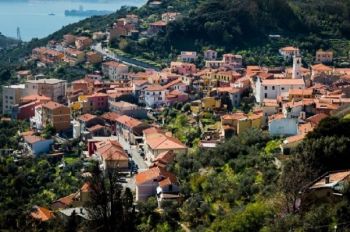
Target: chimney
(327, 179)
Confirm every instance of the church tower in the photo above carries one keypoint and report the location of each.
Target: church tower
(296, 74)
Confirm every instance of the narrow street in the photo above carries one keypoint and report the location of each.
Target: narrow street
(125, 60)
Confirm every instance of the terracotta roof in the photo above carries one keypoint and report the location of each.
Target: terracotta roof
(52, 105)
(155, 88)
(87, 117)
(42, 213)
(85, 188)
(300, 92)
(229, 90)
(294, 138)
(95, 128)
(31, 139)
(164, 158)
(158, 24)
(334, 178)
(317, 118)
(111, 150)
(128, 121)
(67, 200)
(114, 64)
(283, 82)
(162, 141)
(289, 48)
(34, 97)
(321, 68)
(110, 116)
(155, 173)
(152, 130)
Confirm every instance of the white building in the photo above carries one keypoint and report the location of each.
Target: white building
(188, 57)
(230, 61)
(155, 95)
(11, 96)
(210, 55)
(52, 88)
(36, 122)
(289, 52)
(114, 70)
(273, 88)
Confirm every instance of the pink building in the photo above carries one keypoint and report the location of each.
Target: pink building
(97, 101)
(183, 68)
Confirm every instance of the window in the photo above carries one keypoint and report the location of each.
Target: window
(265, 95)
(282, 88)
(265, 87)
(273, 87)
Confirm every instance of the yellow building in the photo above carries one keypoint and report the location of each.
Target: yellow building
(205, 104)
(239, 122)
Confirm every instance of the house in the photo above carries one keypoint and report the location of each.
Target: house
(187, 57)
(233, 94)
(83, 42)
(97, 102)
(147, 183)
(240, 122)
(110, 119)
(155, 95)
(289, 52)
(299, 94)
(114, 70)
(279, 125)
(73, 56)
(164, 159)
(126, 108)
(68, 39)
(112, 155)
(26, 108)
(273, 88)
(24, 75)
(324, 56)
(46, 55)
(329, 188)
(170, 16)
(93, 58)
(130, 128)
(175, 96)
(210, 55)
(319, 69)
(41, 214)
(88, 120)
(230, 61)
(52, 88)
(56, 115)
(37, 145)
(156, 27)
(11, 95)
(183, 68)
(156, 142)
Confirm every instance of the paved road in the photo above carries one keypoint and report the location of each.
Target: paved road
(128, 61)
(134, 154)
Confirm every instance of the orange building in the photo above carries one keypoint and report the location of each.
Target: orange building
(56, 115)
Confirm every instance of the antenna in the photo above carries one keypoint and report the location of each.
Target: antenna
(19, 38)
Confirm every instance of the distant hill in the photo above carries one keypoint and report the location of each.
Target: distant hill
(232, 23)
(6, 42)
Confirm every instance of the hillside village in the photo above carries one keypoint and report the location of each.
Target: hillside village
(116, 111)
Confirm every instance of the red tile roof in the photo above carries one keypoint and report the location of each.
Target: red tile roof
(111, 150)
(87, 117)
(155, 173)
(52, 105)
(42, 214)
(128, 121)
(31, 139)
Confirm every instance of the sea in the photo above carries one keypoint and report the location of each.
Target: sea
(40, 18)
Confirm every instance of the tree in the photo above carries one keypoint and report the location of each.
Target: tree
(110, 207)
